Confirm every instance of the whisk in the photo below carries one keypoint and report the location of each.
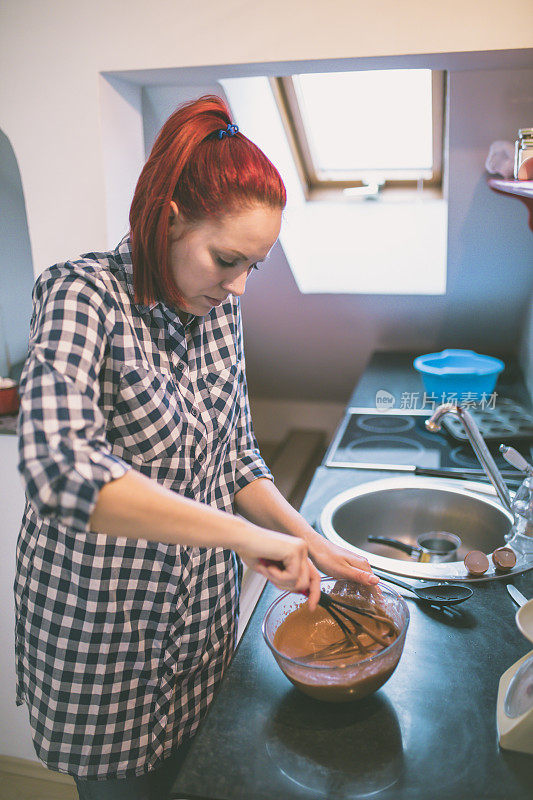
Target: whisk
(352, 629)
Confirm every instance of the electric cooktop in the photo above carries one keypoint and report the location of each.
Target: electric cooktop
(396, 440)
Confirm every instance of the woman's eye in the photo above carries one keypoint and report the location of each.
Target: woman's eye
(225, 263)
(229, 264)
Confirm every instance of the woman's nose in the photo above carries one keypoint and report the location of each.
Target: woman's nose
(237, 284)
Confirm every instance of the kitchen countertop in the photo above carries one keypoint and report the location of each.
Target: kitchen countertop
(430, 732)
(394, 372)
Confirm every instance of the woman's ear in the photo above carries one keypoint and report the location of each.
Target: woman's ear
(175, 222)
(174, 213)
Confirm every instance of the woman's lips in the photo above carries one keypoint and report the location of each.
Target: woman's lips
(214, 301)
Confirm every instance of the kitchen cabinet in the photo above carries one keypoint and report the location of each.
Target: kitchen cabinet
(428, 734)
(14, 718)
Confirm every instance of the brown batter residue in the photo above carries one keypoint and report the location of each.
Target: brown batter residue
(310, 635)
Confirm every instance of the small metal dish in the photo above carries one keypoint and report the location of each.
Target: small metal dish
(434, 546)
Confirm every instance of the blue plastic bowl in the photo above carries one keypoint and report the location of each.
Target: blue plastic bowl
(458, 372)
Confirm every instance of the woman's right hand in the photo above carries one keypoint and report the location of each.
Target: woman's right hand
(284, 561)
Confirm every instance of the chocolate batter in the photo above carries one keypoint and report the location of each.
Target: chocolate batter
(313, 636)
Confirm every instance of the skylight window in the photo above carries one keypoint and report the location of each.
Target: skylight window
(377, 127)
(396, 246)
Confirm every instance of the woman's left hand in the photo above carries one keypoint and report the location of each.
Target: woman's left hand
(337, 562)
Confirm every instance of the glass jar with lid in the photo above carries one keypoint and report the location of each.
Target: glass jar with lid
(524, 153)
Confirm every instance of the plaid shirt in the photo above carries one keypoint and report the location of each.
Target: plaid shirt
(121, 643)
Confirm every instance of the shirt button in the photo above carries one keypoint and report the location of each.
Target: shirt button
(201, 458)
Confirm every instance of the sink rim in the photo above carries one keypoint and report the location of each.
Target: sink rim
(451, 570)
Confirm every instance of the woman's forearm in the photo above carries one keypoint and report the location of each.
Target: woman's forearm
(137, 507)
(262, 503)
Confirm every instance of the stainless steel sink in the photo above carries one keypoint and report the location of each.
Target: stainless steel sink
(405, 507)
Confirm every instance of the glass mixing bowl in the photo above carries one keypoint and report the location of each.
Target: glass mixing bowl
(340, 682)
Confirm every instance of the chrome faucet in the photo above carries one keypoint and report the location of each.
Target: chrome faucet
(520, 537)
(480, 448)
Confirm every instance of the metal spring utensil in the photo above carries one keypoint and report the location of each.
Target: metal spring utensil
(351, 629)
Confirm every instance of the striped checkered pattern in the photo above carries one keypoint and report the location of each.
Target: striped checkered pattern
(121, 643)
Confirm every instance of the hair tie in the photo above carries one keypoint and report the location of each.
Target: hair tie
(231, 130)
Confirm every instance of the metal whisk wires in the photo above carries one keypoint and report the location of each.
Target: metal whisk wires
(353, 629)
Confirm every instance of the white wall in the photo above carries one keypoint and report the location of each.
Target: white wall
(526, 348)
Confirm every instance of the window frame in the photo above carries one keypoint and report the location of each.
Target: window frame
(315, 187)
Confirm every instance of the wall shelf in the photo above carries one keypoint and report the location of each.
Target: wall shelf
(521, 189)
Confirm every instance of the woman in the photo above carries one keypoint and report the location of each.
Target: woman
(136, 448)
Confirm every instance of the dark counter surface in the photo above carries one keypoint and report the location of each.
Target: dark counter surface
(394, 373)
(429, 733)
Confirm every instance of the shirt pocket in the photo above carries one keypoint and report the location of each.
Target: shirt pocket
(148, 418)
(223, 398)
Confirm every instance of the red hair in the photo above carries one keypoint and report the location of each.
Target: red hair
(205, 176)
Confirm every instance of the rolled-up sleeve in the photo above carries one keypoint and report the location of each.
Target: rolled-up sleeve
(250, 464)
(64, 456)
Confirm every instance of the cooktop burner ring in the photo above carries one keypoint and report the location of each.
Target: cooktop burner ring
(397, 443)
(464, 456)
(385, 423)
